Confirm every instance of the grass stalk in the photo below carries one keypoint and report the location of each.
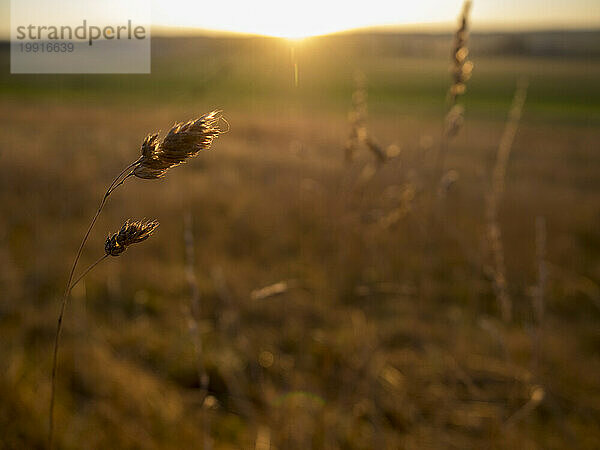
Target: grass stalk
(193, 313)
(494, 233)
(540, 290)
(461, 73)
(118, 181)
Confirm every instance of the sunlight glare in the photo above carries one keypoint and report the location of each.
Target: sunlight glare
(297, 20)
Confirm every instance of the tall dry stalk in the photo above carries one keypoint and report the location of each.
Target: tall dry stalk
(461, 70)
(494, 197)
(359, 133)
(193, 314)
(540, 288)
(182, 142)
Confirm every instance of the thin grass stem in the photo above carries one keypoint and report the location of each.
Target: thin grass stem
(116, 183)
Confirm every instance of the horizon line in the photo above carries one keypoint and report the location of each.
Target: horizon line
(422, 28)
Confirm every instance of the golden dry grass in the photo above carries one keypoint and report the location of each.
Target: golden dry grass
(360, 353)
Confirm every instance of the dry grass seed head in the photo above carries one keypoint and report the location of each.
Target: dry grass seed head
(461, 67)
(182, 142)
(130, 233)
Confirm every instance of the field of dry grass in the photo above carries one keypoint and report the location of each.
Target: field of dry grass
(380, 330)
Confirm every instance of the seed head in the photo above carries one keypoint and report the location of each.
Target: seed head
(130, 233)
(182, 142)
(461, 66)
(454, 120)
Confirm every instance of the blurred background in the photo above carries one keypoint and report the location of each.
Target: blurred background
(396, 245)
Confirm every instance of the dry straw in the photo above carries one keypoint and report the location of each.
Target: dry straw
(182, 142)
(536, 397)
(273, 290)
(494, 197)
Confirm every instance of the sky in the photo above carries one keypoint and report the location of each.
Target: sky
(312, 17)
